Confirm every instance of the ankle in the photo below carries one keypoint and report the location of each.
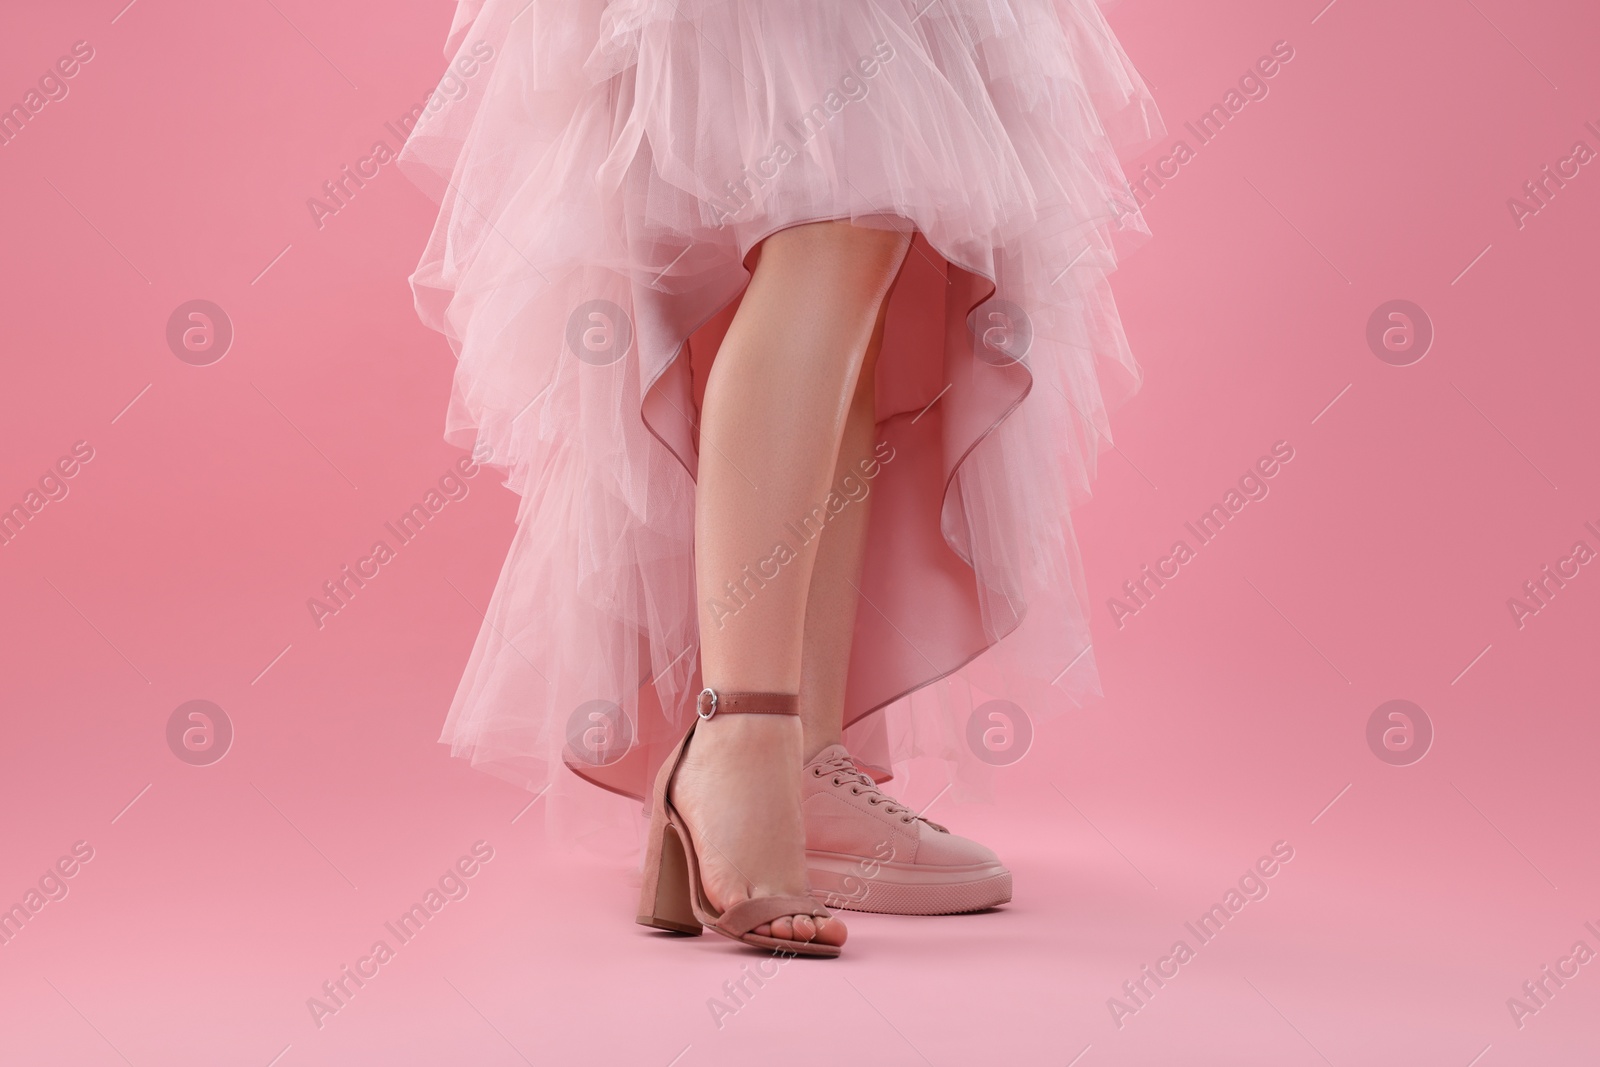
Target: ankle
(778, 734)
(816, 741)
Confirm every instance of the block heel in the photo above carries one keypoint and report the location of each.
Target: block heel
(664, 898)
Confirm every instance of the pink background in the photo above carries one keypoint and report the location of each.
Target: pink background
(1379, 567)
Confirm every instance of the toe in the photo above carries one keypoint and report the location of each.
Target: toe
(803, 928)
(831, 931)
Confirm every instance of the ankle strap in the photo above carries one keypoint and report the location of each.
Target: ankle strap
(712, 703)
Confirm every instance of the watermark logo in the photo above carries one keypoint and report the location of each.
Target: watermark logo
(1537, 592)
(199, 333)
(1538, 192)
(53, 87)
(599, 733)
(52, 485)
(1004, 332)
(199, 733)
(999, 733)
(1399, 333)
(1538, 992)
(749, 188)
(739, 593)
(50, 887)
(453, 486)
(854, 888)
(1251, 887)
(738, 993)
(451, 886)
(599, 332)
(1399, 733)
(1251, 487)
(339, 191)
(1252, 86)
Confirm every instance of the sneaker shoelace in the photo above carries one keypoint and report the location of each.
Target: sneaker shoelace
(845, 772)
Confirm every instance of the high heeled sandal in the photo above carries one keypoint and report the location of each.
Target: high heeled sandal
(672, 897)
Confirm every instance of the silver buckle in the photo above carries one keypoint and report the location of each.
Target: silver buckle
(703, 692)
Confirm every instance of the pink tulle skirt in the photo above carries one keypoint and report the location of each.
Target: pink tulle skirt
(602, 169)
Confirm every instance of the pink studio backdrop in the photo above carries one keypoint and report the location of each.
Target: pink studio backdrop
(208, 503)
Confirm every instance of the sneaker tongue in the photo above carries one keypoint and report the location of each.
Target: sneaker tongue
(835, 754)
(829, 753)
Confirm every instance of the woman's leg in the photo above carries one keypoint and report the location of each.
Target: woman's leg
(774, 412)
(831, 605)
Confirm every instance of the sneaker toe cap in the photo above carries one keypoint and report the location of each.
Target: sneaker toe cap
(936, 849)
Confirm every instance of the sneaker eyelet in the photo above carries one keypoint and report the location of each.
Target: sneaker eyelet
(837, 782)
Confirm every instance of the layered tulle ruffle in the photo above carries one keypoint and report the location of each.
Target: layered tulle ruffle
(602, 170)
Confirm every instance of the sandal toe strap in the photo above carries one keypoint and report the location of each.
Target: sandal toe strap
(749, 914)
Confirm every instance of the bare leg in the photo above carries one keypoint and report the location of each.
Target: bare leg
(774, 412)
(831, 606)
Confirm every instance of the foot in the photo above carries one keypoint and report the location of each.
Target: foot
(866, 851)
(738, 789)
